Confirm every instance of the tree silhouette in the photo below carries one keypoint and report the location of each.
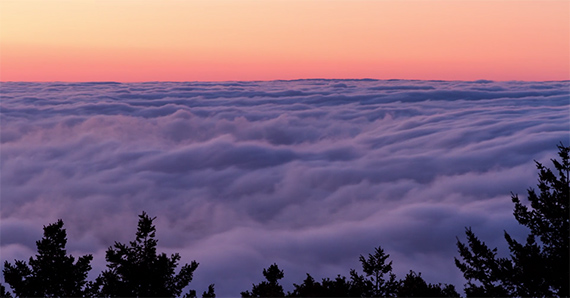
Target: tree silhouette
(206, 294)
(360, 286)
(3, 292)
(269, 288)
(547, 219)
(210, 293)
(51, 273)
(338, 287)
(413, 285)
(309, 288)
(485, 273)
(375, 266)
(535, 268)
(137, 271)
(378, 282)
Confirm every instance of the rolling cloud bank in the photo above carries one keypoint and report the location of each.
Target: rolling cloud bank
(308, 174)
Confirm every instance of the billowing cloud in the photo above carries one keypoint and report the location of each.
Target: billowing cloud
(309, 173)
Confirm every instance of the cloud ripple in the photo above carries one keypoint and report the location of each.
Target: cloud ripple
(305, 173)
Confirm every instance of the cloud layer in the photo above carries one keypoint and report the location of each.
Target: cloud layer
(309, 174)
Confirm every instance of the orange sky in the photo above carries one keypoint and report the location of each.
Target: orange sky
(177, 40)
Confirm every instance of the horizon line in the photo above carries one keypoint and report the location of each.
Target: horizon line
(283, 80)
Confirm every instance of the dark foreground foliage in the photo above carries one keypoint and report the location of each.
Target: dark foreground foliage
(378, 282)
(539, 267)
(52, 273)
(136, 270)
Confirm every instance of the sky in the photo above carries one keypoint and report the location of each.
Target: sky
(308, 174)
(220, 40)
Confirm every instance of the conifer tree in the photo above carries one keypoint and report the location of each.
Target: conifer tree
(210, 293)
(52, 273)
(376, 267)
(309, 288)
(3, 292)
(413, 285)
(540, 266)
(206, 294)
(269, 288)
(136, 270)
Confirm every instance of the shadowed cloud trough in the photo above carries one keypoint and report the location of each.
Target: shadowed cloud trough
(308, 173)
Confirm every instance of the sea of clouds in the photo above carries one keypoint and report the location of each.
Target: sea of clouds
(308, 174)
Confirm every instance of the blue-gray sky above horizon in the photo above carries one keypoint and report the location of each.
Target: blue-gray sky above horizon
(308, 174)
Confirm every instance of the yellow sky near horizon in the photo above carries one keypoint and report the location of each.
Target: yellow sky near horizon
(127, 40)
